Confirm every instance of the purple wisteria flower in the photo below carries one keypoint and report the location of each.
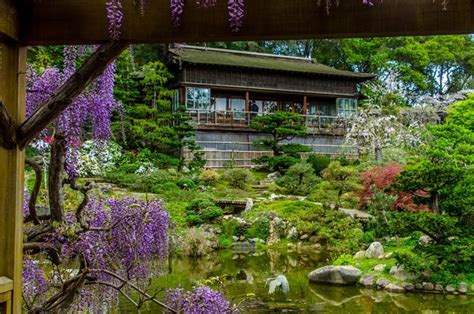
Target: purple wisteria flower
(177, 10)
(236, 14)
(94, 105)
(115, 17)
(201, 300)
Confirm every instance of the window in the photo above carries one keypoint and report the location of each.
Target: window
(238, 107)
(221, 104)
(198, 98)
(346, 107)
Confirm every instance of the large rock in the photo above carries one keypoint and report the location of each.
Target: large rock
(408, 286)
(382, 282)
(428, 286)
(359, 255)
(341, 275)
(399, 273)
(367, 280)
(462, 288)
(391, 287)
(379, 267)
(450, 288)
(375, 250)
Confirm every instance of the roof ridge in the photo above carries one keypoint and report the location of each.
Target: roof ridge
(250, 53)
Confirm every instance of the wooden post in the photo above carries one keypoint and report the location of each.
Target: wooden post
(247, 101)
(305, 108)
(12, 161)
(247, 107)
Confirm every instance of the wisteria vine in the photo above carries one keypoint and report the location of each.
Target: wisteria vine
(123, 243)
(95, 105)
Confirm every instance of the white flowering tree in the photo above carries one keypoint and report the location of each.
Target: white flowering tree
(381, 124)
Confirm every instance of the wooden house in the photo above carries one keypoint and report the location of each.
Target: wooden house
(223, 90)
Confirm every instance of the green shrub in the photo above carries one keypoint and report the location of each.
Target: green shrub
(186, 184)
(332, 227)
(319, 163)
(277, 163)
(299, 179)
(202, 211)
(260, 229)
(295, 149)
(238, 177)
(209, 177)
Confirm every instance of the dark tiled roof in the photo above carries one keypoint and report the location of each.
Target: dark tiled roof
(242, 59)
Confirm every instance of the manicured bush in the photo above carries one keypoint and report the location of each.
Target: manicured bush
(238, 177)
(339, 186)
(299, 179)
(186, 184)
(201, 211)
(319, 163)
(209, 177)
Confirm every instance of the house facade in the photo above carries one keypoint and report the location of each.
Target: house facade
(223, 90)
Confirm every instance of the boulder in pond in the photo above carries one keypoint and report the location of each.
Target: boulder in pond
(408, 286)
(340, 275)
(462, 288)
(375, 250)
(382, 282)
(367, 281)
(428, 286)
(450, 288)
(391, 287)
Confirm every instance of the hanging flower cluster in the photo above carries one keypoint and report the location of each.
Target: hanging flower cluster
(115, 17)
(126, 237)
(177, 11)
(236, 14)
(95, 105)
(235, 7)
(200, 300)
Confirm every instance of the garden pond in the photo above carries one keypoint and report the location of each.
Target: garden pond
(242, 278)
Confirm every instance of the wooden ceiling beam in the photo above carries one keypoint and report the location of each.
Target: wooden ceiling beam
(49, 22)
(9, 27)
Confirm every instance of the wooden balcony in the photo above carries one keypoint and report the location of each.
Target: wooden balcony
(241, 120)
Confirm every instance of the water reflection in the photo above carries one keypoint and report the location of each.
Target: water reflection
(242, 277)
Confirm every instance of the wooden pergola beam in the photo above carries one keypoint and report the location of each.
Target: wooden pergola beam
(49, 22)
(9, 22)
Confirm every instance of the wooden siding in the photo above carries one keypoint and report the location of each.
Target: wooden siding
(252, 80)
(222, 149)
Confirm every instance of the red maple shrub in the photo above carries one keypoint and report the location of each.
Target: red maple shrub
(382, 178)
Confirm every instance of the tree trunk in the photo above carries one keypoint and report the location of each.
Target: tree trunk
(55, 177)
(435, 202)
(378, 154)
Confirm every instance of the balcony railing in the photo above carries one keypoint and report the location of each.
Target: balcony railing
(244, 119)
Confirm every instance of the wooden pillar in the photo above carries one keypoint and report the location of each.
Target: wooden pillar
(12, 92)
(305, 105)
(247, 101)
